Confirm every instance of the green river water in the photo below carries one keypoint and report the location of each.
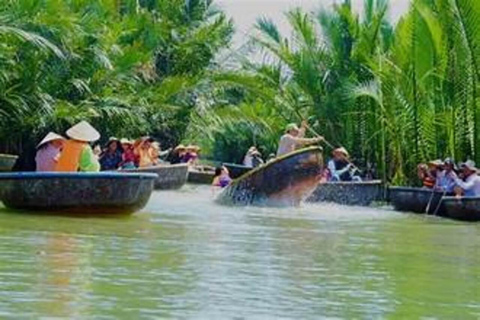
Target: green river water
(185, 257)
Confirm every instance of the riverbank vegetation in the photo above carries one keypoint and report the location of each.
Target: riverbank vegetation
(392, 94)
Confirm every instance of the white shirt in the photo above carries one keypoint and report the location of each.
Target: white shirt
(247, 161)
(471, 185)
(289, 143)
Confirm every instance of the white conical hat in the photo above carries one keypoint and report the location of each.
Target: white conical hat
(83, 131)
(51, 136)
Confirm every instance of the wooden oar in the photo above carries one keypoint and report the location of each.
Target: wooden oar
(440, 202)
(331, 146)
(427, 209)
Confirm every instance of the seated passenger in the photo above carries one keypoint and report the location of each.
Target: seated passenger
(471, 183)
(340, 168)
(247, 160)
(77, 155)
(48, 152)
(444, 181)
(111, 157)
(222, 177)
(257, 159)
(191, 155)
(128, 156)
(176, 156)
(143, 150)
(428, 173)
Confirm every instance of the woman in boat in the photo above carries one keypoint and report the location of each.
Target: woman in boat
(191, 155)
(77, 154)
(111, 157)
(341, 169)
(144, 151)
(176, 156)
(470, 186)
(428, 173)
(294, 138)
(128, 157)
(222, 177)
(48, 152)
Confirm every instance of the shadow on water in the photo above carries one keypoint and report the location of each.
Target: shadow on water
(184, 256)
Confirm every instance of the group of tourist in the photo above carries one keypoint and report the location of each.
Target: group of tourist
(446, 176)
(57, 153)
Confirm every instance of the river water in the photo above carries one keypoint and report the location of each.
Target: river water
(185, 257)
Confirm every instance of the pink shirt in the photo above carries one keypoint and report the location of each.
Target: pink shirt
(46, 158)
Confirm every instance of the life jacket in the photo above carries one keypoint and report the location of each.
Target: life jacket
(70, 156)
(429, 182)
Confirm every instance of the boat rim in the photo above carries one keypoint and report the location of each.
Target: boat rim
(76, 175)
(8, 156)
(349, 183)
(409, 189)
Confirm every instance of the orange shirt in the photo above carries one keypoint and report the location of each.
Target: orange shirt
(70, 157)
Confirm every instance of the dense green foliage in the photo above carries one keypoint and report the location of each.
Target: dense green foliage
(130, 67)
(393, 96)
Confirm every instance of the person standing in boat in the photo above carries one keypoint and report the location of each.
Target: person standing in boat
(341, 169)
(294, 138)
(48, 152)
(470, 186)
(77, 154)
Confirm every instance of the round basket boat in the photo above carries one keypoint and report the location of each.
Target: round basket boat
(170, 176)
(7, 161)
(76, 193)
(285, 181)
(416, 200)
(361, 193)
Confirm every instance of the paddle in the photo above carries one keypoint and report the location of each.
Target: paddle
(427, 210)
(330, 145)
(439, 203)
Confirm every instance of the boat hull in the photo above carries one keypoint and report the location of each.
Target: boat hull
(463, 209)
(76, 193)
(200, 177)
(349, 193)
(7, 161)
(415, 200)
(236, 170)
(285, 181)
(170, 177)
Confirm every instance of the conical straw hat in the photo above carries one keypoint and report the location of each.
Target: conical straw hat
(83, 131)
(51, 136)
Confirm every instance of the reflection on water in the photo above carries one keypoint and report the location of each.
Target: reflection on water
(185, 256)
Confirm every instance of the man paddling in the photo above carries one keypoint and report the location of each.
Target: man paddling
(294, 138)
(471, 183)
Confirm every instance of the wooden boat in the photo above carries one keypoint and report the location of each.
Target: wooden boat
(81, 194)
(284, 181)
(415, 200)
(463, 208)
(170, 176)
(7, 161)
(201, 175)
(361, 193)
(237, 170)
